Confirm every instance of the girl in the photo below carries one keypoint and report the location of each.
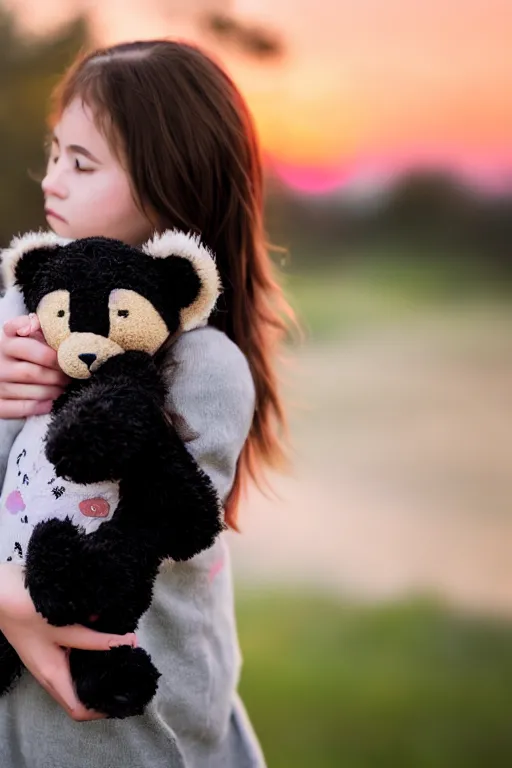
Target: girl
(147, 136)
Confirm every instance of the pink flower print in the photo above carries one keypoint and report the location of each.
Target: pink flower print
(217, 566)
(94, 507)
(14, 503)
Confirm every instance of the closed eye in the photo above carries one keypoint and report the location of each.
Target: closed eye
(80, 168)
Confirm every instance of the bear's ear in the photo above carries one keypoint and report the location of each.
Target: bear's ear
(189, 272)
(26, 254)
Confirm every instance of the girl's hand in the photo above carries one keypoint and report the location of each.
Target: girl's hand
(42, 647)
(30, 378)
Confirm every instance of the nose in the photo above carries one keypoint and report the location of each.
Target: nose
(52, 184)
(87, 358)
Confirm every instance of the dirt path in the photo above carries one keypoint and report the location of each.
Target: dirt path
(403, 473)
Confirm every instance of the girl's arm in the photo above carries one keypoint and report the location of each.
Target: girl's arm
(43, 648)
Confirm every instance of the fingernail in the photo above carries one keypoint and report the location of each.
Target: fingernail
(118, 642)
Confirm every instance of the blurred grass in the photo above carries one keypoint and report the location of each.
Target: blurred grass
(374, 289)
(409, 685)
(331, 684)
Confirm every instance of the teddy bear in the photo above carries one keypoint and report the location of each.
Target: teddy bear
(103, 489)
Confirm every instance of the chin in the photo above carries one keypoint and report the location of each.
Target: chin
(59, 227)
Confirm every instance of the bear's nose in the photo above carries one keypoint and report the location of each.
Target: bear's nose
(88, 359)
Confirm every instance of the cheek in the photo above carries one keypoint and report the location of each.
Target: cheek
(110, 209)
(108, 196)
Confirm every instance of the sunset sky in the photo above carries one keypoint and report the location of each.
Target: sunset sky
(365, 88)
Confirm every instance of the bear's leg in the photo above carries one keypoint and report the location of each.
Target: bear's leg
(120, 682)
(11, 666)
(53, 572)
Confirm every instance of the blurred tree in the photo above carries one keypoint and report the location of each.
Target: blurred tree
(426, 216)
(437, 215)
(29, 68)
(490, 231)
(426, 206)
(253, 40)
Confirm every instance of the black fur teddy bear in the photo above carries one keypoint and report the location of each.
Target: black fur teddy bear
(122, 472)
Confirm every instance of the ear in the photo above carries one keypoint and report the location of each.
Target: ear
(26, 254)
(190, 274)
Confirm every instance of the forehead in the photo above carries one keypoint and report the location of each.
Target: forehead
(77, 126)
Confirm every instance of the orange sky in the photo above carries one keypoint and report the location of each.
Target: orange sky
(364, 84)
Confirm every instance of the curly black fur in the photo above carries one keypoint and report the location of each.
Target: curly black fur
(118, 682)
(112, 426)
(92, 267)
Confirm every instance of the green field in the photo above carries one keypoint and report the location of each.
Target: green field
(399, 685)
(409, 685)
(365, 292)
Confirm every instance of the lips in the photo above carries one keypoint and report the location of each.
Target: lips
(50, 212)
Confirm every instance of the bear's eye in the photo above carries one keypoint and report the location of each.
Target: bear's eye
(123, 312)
(60, 313)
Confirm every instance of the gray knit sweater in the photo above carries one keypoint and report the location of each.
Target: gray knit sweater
(196, 719)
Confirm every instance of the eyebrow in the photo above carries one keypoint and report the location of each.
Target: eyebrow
(77, 149)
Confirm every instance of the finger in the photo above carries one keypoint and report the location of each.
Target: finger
(35, 325)
(26, 325)
(18, 372)
(13, 327)
(31, 327)
(36, 332)
(17, 391)
(22, 409)
(77, 636)
(30, 350)
(81, 714)
(38, 335)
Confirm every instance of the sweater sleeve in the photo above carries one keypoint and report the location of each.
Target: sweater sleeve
(211, 397)
(11, 305)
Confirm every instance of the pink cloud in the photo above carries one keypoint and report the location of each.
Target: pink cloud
(489, 170)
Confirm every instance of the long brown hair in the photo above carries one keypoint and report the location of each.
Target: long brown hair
(187, 139)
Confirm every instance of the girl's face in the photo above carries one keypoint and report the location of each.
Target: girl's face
(86, 191)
